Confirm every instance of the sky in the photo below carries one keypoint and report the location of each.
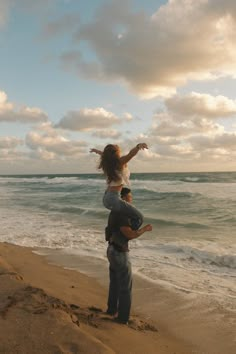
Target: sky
(78, 74)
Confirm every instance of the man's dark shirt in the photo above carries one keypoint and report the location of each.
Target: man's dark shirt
(115, 221)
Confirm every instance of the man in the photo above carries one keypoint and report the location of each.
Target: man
(118, 233)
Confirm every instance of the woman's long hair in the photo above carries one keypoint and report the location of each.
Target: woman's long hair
(110, 162)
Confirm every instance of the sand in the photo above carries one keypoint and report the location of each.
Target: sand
(205, 323)
(45, 308)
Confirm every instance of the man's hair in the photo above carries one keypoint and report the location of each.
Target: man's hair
(124, 192)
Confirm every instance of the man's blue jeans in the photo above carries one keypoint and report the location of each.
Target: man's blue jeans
(120, 288)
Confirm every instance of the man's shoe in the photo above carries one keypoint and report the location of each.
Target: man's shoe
(111, 313)
(119, 320)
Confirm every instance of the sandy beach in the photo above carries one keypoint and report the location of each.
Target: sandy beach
(45, 308)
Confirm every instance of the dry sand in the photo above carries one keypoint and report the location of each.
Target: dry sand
(47, 309)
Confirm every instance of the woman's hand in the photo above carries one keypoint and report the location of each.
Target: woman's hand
(96, 151)
(125, 159)
(142, 146)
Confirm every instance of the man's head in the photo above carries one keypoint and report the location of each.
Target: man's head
(126, 194)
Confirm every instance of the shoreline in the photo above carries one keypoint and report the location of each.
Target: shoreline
(185, 324)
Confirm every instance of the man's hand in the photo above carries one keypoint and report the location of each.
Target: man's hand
(148, 227)
(131, 234)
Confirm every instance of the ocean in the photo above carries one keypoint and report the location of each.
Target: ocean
(192, 247)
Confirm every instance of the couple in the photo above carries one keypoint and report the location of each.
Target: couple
(123, 225)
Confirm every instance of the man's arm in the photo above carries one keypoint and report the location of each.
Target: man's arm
(131, 234)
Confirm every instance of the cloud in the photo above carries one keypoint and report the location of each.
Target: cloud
(107, 133)
(9, 151)
(189, 129)
(88, 119)
(49, 144)
(171, 125)
(170, 128)
(9, 112)
(201, 105)
(5, 6)
(225, 141)
(183, 40)
(67, 23)
(10, 142)
(128, 117)
(41, 154)
(7, 156)
(192, 114)
(42, 150)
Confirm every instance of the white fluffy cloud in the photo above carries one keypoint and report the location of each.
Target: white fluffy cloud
(201, 105)
(170, 128)
(225, 141)
(193, 114)
(189, 129)
(10, 142)
(47, 143)
(88, 119)
(128, 117)
(183, 40)
(9, 150)
(7, 156)
(10, 112)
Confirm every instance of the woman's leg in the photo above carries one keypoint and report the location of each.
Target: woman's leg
(133, 213)
(112, 201)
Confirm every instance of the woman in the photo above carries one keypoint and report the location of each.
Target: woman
(117, 175)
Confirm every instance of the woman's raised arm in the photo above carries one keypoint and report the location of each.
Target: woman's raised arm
(126, 158)
(99, 152)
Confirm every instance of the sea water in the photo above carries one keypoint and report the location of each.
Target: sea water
(192, 247)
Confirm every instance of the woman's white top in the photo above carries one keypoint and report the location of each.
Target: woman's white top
(124, 176)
